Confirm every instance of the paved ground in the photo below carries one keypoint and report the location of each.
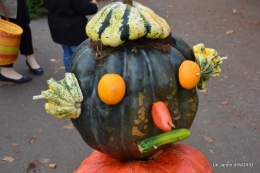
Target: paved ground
(228, 114)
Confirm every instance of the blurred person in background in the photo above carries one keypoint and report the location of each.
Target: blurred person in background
(67, 21)
(17, 13)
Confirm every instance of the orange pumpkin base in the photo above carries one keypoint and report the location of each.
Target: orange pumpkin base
(178, 158)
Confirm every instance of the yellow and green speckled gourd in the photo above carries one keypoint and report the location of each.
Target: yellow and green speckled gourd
(64, 97)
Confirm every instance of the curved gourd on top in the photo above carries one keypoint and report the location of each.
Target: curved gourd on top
(118, 22)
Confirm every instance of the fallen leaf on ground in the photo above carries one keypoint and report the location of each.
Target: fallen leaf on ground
(32, 165)
(37, 50)
(44, 160)
(57, 69)
(235, 113)
(16, 151)
(224, 103)
(8, 159)
(229, 32)
(223, 76)
(204, 91)
(58, 60)
(52, 165)
(55, 60)
(32, 138)
(70, 126)
(208, 139)
(10, 84)
(15, 144)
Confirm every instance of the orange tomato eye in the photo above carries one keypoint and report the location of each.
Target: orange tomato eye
(111, 88)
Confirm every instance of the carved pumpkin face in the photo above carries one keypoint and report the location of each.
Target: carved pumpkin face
(149, 76)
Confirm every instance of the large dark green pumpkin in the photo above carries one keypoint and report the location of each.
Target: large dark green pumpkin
(150, 76)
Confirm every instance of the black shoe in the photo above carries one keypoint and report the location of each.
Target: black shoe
(6, 80)
(37, 71)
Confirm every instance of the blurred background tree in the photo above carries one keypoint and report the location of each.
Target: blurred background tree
(36, 8)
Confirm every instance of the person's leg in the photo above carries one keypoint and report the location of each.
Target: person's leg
(9, 75)
(68, 52)
(74, 48)
(9, 72)
(26, 47)
(66, 56)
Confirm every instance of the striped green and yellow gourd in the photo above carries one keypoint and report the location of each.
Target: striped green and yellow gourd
(118, 22)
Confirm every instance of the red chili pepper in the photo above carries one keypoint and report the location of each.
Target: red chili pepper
(162, 117)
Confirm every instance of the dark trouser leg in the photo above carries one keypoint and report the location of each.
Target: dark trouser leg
(9, 65)
(26, 47)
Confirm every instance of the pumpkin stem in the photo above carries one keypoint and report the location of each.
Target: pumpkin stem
(173, 126)
(38, 97)
(156, 155)
(223, 57)
(198, 74)
(130, 2)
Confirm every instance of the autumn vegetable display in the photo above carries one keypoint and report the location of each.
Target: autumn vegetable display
(132, 92)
